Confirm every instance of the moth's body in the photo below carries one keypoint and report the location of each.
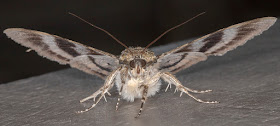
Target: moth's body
(133, 79)
(137, 71)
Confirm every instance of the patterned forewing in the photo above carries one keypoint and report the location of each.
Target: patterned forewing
(224, 40)
(64, 51)
(217, 43)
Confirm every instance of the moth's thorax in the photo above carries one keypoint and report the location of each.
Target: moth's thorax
(137, 52)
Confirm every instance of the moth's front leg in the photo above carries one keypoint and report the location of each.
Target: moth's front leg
(168, 77)
(102, 91)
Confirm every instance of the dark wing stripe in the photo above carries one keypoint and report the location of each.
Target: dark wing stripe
(99, 66)
(242, 32)
(90, 71)
(193, 58)
(177, 69)
(211, 41)
(36, 40)
(184, 50)
(57, 55)
(83, 65)
(66, 46)
(167, 65)
(178, 61)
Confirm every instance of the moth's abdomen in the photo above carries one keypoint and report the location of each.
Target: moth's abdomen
(132, 88)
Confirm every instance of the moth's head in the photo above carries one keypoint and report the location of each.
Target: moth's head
(137, 60)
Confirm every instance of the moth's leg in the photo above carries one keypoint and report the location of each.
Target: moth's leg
(143, 100)
(168, 85)
(124, 74)
(119, 98)
(177, 81)
(93, 96)
(173, 80)
(93, 105)
(102, 91)
(190, 90)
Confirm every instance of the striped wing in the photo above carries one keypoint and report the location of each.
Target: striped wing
(65, 51)
(217, 44)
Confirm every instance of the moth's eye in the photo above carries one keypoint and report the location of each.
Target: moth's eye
(132, 63)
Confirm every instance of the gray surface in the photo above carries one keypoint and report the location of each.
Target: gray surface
(246, 81)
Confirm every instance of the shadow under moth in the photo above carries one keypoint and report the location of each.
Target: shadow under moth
(136, 71)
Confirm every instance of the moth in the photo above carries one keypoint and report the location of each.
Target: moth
(137, 71)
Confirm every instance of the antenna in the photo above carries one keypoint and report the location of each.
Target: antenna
(171, 30)
(108, 33)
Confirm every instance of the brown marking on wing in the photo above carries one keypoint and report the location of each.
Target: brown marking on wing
(66, 46)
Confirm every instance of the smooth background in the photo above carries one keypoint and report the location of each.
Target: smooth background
(136, 23)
